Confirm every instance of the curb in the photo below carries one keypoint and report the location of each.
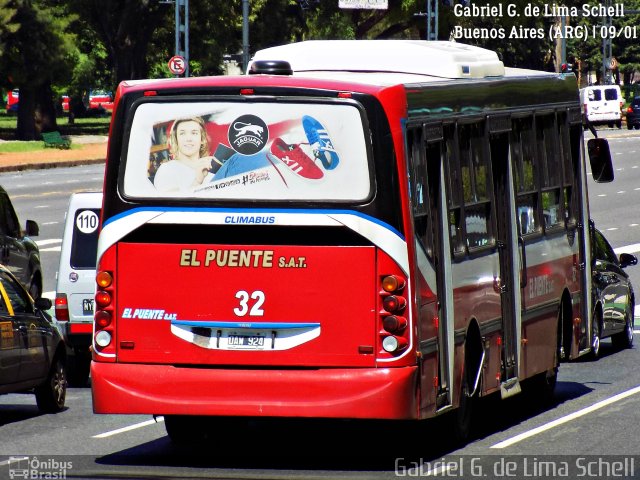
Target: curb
(43, 165)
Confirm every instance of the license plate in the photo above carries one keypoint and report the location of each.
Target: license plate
(87, 306)
(246, 341)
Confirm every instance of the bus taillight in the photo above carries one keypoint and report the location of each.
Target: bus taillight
(103, 318)
(393, 344)
(104, 279)
(392, 283)
(394, 303)
(394, 323)
(103, 299)
(394, 326)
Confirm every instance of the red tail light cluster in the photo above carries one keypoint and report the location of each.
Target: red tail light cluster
(62, 307)
(103, 339)
(394, 333)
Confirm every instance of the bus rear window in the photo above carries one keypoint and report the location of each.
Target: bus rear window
(257, 151)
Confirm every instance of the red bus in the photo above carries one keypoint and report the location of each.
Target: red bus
(357, 229)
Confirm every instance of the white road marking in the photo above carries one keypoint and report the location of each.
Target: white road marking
(42, 243)
(634, 248)
(51, 249)
(14, 460)
(129, 428)
(566, 418)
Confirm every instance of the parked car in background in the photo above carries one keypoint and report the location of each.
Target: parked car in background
(76, 282)
(602, 104)
(32, 350)
(13, 97)
(100, 98)
(18, 252)
(613, 296)
(64, 102)
(633, 114)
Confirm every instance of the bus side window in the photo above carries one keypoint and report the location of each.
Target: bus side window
(419, 189)
(548, 150)
(476, 178)
(523, 154)
(571, 141)
(454, 189)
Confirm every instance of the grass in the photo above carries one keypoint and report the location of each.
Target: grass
(82, 126)
(22, 147)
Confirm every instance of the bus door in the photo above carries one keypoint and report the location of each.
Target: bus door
(575, 195)
(433, 256)
(510, 251)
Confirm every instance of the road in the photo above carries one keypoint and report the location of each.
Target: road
(594, 413)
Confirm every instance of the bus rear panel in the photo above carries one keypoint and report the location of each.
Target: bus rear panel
(276, 287)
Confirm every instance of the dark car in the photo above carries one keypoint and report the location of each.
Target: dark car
(633, 114)
(18, 252)
(32, 350)
(613, 297)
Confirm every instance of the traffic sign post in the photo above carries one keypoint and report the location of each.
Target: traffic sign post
(177, 65)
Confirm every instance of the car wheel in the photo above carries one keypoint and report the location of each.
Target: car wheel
(51, 395)
(596, 333)
(619, 124)
(185, 429)
(624, 339)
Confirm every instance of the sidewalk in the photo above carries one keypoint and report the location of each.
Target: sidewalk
(93, 149)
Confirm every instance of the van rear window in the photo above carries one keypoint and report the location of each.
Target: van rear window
(84, 244)
(242, 150)
(610, 94)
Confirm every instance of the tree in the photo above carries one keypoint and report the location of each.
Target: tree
(37, 54)
(326, 20)
(125, 29)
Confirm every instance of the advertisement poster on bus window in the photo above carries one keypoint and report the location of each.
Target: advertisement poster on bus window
(268, 151)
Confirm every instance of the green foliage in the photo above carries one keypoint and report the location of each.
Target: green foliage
(19, 147)
(39, 50)
(586, 55)
(7, 21)
(325, 20)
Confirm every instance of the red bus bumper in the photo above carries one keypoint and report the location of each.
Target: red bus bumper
(383, 393)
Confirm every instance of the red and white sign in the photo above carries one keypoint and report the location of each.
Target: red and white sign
(177, 65)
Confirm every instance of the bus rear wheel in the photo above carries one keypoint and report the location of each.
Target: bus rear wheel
(184, 429)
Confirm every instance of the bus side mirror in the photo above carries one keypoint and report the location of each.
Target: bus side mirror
(600, 159)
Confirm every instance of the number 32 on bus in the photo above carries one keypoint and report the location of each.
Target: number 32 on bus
(371, 239)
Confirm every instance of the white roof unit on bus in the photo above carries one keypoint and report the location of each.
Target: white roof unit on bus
(434, 58)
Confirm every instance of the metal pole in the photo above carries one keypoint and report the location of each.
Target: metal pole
(177, 15)
(245, 35)
(432, 19)
(186, 37)
(563, 42)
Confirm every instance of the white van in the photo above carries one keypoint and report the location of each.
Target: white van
(602, 104)
(75, 281)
